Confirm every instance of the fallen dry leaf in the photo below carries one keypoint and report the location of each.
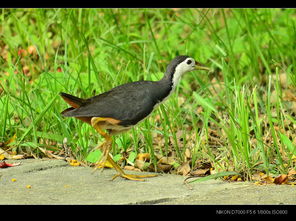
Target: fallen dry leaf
(258, 176)
(281, 179)
(188, 153)
(32, 49)
(141, 160)
(283, 80)
(293, 107)
(165, 164)
(213, 171)
(142, 165)
(292, 172)
(166, 160)
(262, 179)
(164, 167)
(9, 155)
(139, 164)
(184, 169)
(289, 95)
(268, 179)
(200, 172)
(13, 157)
(143, 157)
(234, 178)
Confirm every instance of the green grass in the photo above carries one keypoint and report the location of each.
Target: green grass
(229, 118)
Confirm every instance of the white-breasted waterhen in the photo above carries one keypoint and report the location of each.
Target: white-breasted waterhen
(122, 107)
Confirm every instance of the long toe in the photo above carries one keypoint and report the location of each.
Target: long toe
(133, 176)
(100, 165)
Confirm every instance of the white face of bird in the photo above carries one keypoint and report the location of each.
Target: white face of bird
(187, 65)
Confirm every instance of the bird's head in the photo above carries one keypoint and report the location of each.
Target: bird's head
(180, 65)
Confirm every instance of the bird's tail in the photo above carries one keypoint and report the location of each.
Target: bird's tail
(75, 102)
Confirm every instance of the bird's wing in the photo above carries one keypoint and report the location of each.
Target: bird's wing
(128, 103)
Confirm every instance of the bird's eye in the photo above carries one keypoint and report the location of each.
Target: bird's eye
(189, 61)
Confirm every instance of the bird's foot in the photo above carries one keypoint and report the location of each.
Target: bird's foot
(102, 164)
(133, 176)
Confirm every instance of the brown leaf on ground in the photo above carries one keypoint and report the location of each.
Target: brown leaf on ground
(10, 155)
(184, 169)
(188, 154)
(289, 95)
(283, 80)
(14, 157)
(165, 164)
(262, 179)
(257, 176)
(291, 172)
(200, 172)
(293, 107)
(140, 164)
(141, 161)
(291, 177)
(166, 160)
(281, 179)
(233, 178)
(164, 167)
(268, 179)
(143, 157)
(32, 49)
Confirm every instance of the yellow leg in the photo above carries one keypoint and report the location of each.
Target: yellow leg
(106, 146)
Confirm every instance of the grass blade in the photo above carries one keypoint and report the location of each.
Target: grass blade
(204, 102)
(36, 121)
(214, 176)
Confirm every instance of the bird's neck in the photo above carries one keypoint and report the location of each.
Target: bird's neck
(172, 77)
(167, 86)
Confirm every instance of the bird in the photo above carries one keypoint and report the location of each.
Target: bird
(118, 110)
